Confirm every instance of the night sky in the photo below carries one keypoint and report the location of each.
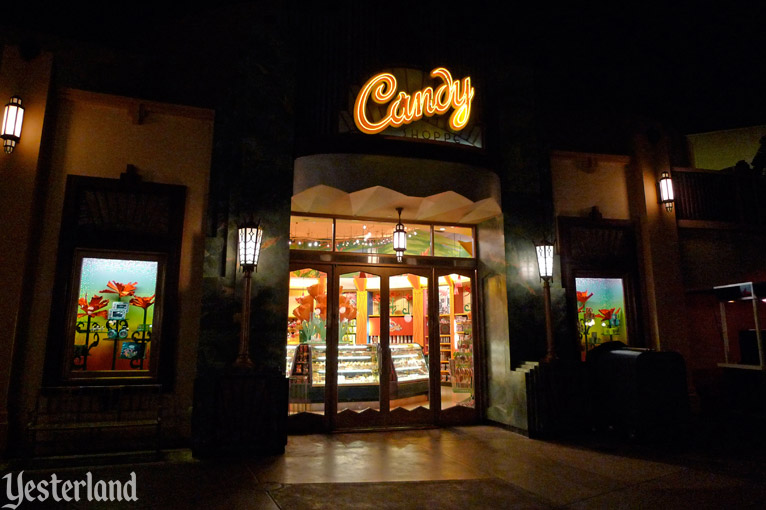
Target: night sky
(702, 67)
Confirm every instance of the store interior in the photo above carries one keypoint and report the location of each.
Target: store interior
(359, 302)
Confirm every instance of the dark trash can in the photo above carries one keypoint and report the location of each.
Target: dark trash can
(638, 392)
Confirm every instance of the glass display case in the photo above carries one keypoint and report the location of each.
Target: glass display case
(289, 358)
(409, 376)
(409, 363)
(357, 364)
(358, 370)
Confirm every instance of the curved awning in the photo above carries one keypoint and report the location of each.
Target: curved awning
(381, 202)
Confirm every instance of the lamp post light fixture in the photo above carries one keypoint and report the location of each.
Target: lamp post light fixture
(666, 191)
(544, 251)
(13, 118)
(250, 237)
(400, 237)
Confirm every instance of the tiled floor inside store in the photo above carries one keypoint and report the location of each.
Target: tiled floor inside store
(455, 468)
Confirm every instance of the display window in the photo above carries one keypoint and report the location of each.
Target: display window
(453, 241)
(371, 237)
(309, 233)
(356, 236)
(600, 312)
(115, 316)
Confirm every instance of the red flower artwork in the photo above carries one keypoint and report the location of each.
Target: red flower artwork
(142, 302)
(121, 289)
(317, 291)
(346, 309)
(582, 297)
(305, 310)
(607, 314)
(94, 308)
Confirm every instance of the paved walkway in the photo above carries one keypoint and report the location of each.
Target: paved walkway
(457, 468)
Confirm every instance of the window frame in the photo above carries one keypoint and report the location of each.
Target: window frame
(148, 221)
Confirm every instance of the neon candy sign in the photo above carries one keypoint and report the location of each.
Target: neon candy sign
(406, 108)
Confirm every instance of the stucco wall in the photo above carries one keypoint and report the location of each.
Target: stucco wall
(720, 257)
(94, 135)
(29, 79)
(723, 149)
(581, 181)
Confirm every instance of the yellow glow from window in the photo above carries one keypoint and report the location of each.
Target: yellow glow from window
(302, 283)
(406, 108)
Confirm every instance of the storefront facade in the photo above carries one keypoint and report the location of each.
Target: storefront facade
(376, 338)
(331, 138)
(349, 154)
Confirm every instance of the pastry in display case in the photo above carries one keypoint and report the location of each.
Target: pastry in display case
(300, 362)
(289, 358)
(409, 362)
(410, 373)
(357, 364)
(358, 370)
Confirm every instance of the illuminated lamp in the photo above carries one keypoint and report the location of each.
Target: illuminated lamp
(666, 191)
(13, 117)
(400, 237)
(545, 260)
(250, 237)
(544, 251)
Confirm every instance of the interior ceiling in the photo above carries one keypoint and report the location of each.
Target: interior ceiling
(381, 202)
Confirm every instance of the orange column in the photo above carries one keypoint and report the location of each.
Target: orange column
(361, 310)
(418, 318)
(453, 335)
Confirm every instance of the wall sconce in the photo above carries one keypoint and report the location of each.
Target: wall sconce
(13, 118)
(544, 251)
(666, 191)
(400, 237)
(250, 237)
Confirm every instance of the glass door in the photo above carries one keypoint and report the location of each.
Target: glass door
(382, 371)
(457, 347)
(306, 345)
(359, 363)
(408, 349)
(380, 346)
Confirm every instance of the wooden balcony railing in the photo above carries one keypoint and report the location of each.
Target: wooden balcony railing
(719, 196)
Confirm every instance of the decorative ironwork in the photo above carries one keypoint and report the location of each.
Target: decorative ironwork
(121, 211)
(141, 336)
(82, 351)
(116, 331)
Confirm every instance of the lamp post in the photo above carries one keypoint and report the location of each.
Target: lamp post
(400, 237)
(13, 118)
(545, 266)
(250, 237)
